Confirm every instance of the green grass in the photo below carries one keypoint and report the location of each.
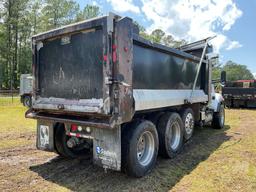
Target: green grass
(8, 101)
(232, 166)
(13, 123)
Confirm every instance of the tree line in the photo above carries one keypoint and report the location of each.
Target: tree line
(21, 19)
(234, 71)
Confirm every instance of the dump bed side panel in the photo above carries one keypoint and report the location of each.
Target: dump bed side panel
(157, 70)
(164, 77)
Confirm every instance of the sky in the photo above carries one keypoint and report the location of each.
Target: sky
(233, 21)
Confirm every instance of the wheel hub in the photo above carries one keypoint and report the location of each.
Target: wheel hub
(141, 147)
(145, 148)
(175, 135)
(189, 123)
(72, 142)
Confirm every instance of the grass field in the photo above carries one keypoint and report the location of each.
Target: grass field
(214, 160)
(14, 128)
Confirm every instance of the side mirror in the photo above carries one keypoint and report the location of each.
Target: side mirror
(223, 77)
(214, 59)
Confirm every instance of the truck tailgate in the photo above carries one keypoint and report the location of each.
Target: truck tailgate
(70, 72)
(70, 66)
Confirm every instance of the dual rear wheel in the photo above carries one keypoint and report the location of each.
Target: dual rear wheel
(142, 140)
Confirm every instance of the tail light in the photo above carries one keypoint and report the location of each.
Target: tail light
(74, 127)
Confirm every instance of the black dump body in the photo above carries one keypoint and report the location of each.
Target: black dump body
(71, 67)
(154, 69)
(101, 70)
(240, 93)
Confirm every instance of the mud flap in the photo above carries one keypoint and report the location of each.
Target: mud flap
(107, 148)
(45, 135)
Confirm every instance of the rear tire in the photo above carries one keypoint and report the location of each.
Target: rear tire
(61, 144)
(188, 120)
(139, 148)
(219, 118)
(170, 131)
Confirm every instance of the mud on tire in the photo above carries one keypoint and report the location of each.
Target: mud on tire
(139, 148)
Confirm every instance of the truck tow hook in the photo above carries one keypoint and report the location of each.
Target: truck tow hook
(61, 107)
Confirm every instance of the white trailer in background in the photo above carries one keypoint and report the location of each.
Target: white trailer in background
(26, 89)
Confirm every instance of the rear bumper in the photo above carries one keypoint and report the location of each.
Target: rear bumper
(99, 122)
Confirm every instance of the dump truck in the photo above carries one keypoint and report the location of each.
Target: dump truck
(100, 88)
(240, 93)
(26, 89)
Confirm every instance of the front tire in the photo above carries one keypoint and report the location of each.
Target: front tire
(139, 148)
(188, 119)
(170, 130)
(219, 118)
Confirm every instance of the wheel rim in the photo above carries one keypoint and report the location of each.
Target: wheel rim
(222, 116)
(76, 149)
(189, 123)
(175, 135)
(145, 148)
(27, 102)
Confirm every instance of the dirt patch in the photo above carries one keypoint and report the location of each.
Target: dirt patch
(212, 160)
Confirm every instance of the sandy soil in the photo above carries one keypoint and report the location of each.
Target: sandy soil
(205, 163)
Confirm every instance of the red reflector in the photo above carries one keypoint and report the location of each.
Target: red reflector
(114, 47)
(105, 58)
(73, 127)
(114, 57)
